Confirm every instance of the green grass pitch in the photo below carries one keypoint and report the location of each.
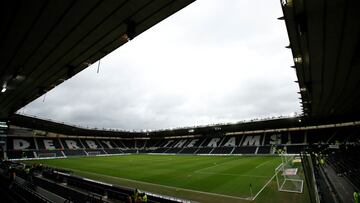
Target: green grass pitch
(199, 178)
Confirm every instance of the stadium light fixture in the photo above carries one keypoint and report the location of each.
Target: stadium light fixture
(124, 38)
(3, 88)
(298, 59)
(288, 3)
(19, 77)
(303, 89)
(86, 63)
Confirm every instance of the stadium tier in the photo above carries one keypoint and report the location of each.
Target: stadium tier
(20, 145)
(230, 159)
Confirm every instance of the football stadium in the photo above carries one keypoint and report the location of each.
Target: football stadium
(312, 156)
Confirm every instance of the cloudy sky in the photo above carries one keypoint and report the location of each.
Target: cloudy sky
(212, 62)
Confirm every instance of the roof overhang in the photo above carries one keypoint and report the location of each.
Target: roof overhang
(324, 39)
(43, 43)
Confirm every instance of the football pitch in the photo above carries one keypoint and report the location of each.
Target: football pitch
(198, 178)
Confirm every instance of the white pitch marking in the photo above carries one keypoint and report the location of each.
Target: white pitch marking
(215, 165)
(232, 174)
(262, 164)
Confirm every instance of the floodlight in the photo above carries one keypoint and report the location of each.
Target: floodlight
(3, 88)
(19, 77)
(288, 3)
(86, 63)
(298, 59)
(124, 38)
(303, 89)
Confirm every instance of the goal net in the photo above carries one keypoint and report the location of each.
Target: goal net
(93, 153)
(46, 155)
(287, 175)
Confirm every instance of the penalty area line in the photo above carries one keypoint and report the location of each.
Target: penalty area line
(231, 174)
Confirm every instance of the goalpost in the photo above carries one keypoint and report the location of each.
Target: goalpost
(93, 153)
(287, 176)
(46, 155)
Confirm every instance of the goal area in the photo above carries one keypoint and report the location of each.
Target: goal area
(287, 175)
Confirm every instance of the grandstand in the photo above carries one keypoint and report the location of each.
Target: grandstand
(292, 140)
(216, 163)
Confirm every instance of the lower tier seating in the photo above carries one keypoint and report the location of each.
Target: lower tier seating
(244, 150)
(222, 150)
(189, 150)
(204, 150)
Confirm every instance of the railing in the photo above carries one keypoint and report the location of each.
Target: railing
(306, 161)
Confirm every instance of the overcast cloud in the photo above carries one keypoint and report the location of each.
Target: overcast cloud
(212, 62)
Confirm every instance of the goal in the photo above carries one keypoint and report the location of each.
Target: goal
(287, 175)
(93, 153)
(46, 155)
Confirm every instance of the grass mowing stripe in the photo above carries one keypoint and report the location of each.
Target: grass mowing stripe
(189, 176)
(165, 186)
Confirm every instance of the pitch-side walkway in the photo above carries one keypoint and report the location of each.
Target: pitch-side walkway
(343, 188)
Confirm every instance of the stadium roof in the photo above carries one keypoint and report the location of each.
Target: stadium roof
(324, 38)
(66, 129)
(43, 43)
